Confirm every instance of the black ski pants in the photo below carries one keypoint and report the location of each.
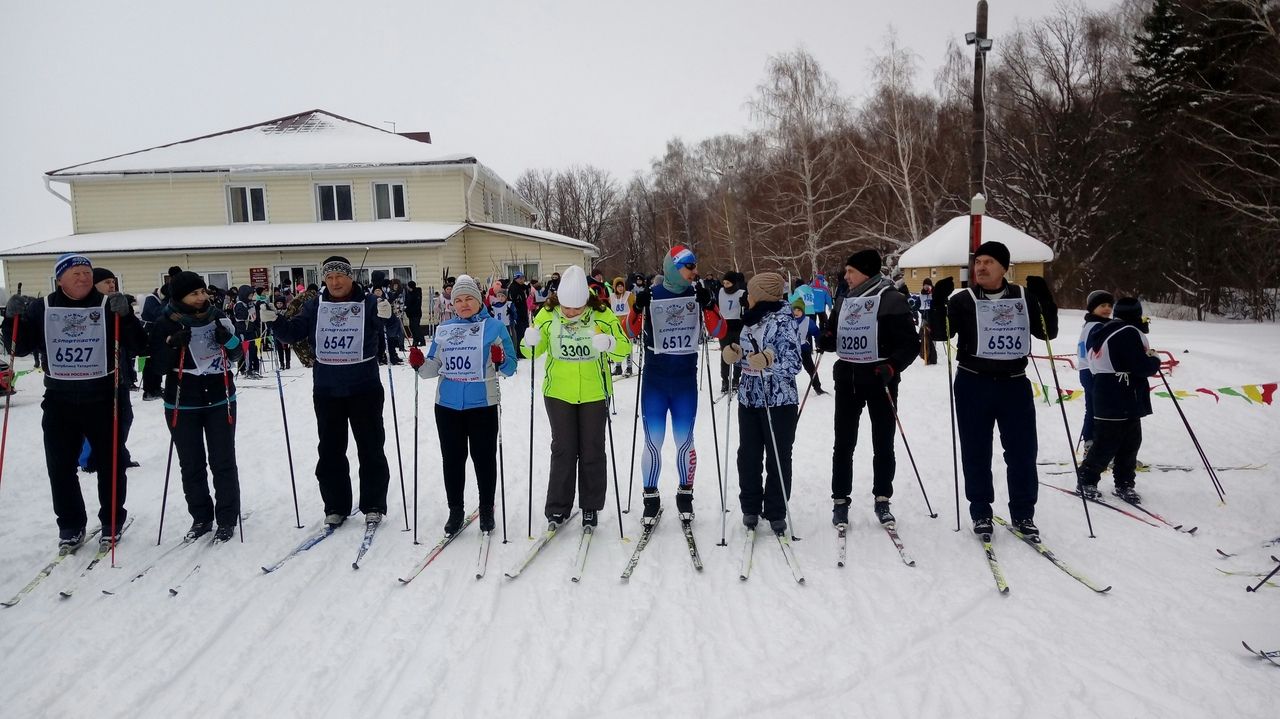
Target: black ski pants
(474, 430)
(415, 329)
(984, 402)
(578, 458)
(1117, 440)
(66, 426)
(755, 443)
(362, 413)
(851, 398)
(194, 431)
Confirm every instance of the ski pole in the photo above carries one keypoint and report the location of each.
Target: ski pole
(502, 467)
(951, 396)
(533, 373)
(288, 450)
(416, 381)
(613, 455)
(773, 440)
(1053, 367)
(395, 424)
(724, 482)
(1036, 366)
(8, 397)
(173, 426)
(115, 435)
(812, 377)
(715, 431)
(1213, 475)
(893, 406)
(226, 390)
(635, 422)
(1264, 579)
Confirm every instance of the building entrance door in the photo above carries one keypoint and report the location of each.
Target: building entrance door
(293, 276)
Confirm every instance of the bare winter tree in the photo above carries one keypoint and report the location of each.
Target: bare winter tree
(802, 115)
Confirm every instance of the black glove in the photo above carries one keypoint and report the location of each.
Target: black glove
(1038, 289)
(641, 302)
(221, 334)
(885, 372)
(17, 305)
(943, 290)
(703, 295)
(181, 338)
(119, 304)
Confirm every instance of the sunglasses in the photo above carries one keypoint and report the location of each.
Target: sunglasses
(690, 265)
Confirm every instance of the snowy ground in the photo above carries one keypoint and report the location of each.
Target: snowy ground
(875, 638)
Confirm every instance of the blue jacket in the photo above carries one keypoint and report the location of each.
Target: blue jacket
(776, 387)
(471, 395)
(338, 380)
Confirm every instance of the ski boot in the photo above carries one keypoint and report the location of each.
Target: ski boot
(684, 503)
(652, 503)
(486, 519)
(69, 540)
(1089, 491)
(750, 520)
(335, 520)
(1027, 528)
(1128, 494)
(590, 518)
(107, 538)
(454, 522)
(840, 512)
(224, 534)
(779, 526)
(724, 386)
(882, 511)
(198, 530)
(982, 526)
(372, 518)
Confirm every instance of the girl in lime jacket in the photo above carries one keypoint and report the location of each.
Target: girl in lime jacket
(578, 332)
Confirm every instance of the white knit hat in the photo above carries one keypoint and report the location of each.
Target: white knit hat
(573, 290)
(465, 285)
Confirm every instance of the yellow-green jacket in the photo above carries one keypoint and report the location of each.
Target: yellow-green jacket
(574, 368)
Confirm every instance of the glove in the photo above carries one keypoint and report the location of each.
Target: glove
(640, 303)
(416, 358)
(1039, 289)
(221, 334)
(943, 290)
(384, 309)
(760, 361)
(885, 372)
(496, 355)
(731, 354)
(119, 304)
(267, 314)
(532, 336)
(603, 342)
(703, 295)
(181, 338)
(17, 305)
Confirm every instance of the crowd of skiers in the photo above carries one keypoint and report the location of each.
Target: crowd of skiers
(585, 328)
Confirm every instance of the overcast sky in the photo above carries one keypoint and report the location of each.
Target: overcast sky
(519, 83)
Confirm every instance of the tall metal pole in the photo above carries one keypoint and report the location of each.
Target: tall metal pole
(978, 146)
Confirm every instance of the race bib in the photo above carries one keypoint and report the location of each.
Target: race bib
(76, 342)
(731, 305)
(751, 336)
(205, 351)
(619, 304)
(675, 325)
(460, 349)
(340, 332)
(858, 330)
(572, 342)
(1004, 329)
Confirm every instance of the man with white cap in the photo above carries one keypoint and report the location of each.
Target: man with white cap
(344, 326)
(74, 329)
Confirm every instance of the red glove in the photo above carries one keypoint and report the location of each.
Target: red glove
(496, 355)
(885, 372)
(416, 358)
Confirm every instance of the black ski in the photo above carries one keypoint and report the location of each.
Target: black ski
(686, 525)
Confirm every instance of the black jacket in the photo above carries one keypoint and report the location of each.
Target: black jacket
(133, 342)
(1122, 394)
(962, 313)
(897, 339)
(198, 391)
(338, 380)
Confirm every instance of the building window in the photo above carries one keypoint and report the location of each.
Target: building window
(247, 204)
(530, 270)
(388, 201)
(216, 278)
(404, 274)
(913, 273)
(334, 202)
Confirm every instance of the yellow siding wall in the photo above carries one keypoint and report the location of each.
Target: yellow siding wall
(487, 252)
(164, 201)
(1017, 274)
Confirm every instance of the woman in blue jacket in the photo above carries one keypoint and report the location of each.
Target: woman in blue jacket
(466, 353)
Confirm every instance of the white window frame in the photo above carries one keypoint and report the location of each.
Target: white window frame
(506, 266)
(368, 271)
(373, 200)
(266, 215)
(204, 275)
(315, 198)
(276, 269)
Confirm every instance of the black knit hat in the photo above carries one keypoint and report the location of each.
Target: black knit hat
(183, 284)
(102, 273)
(865, 261)
(1129, 311)
(996, 251)
(1099, 297)
(174, 271)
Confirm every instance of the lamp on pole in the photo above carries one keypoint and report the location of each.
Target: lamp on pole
(978, 147)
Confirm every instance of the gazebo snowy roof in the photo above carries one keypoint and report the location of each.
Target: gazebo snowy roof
(948, 246)
(309, 140)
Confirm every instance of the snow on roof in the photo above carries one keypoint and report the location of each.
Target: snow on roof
(949, 245)
(266, 237)
(536, 234)
(306, 141)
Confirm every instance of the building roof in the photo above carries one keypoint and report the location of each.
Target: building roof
(273, 237)
(242, 237)
(309, 140)
(948, 246)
